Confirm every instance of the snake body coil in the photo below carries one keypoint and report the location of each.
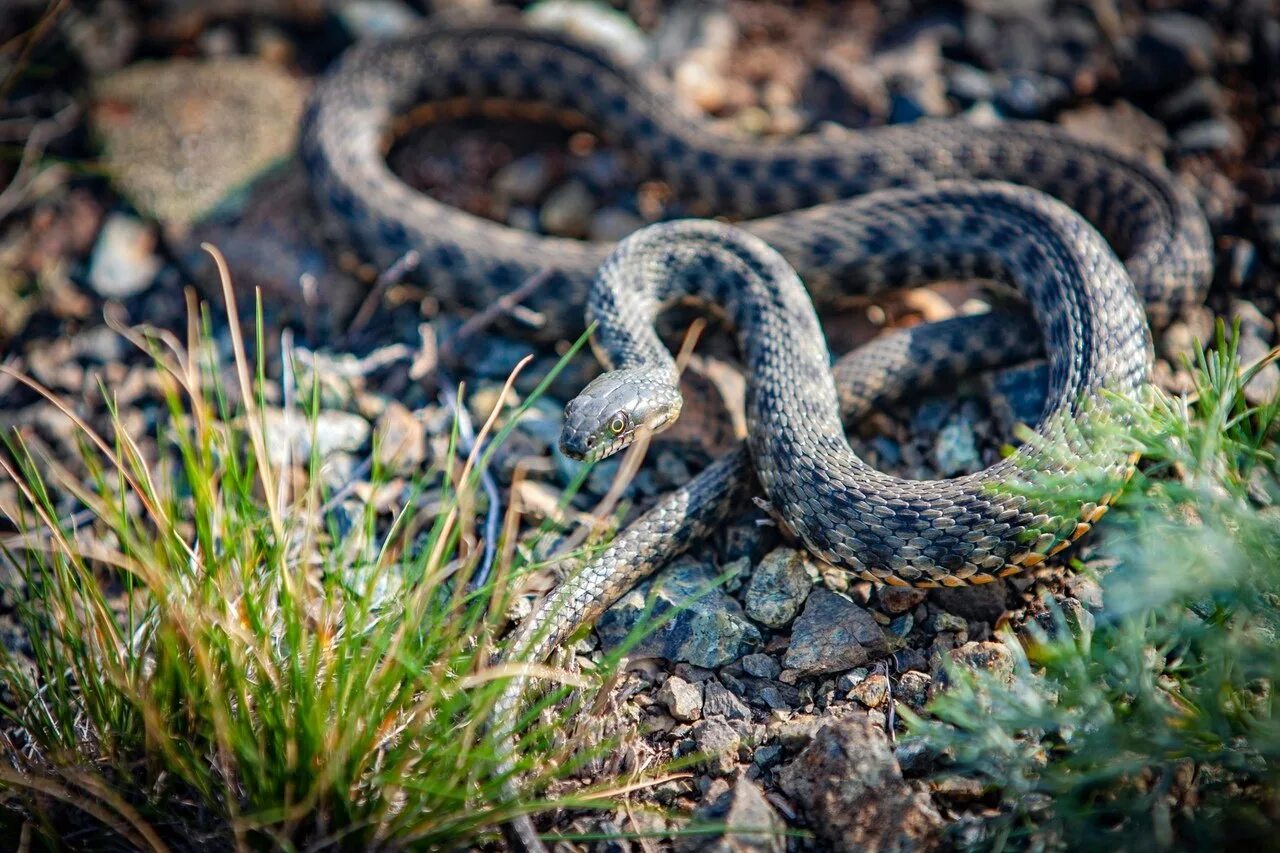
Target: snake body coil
(969, 529)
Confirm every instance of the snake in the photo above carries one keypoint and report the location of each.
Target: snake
(1103, 245)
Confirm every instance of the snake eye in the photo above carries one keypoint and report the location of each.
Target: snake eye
(618, 424)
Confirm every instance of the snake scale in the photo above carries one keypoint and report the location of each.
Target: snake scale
(852, 213)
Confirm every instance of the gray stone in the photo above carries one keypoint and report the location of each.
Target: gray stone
(567, 210)
(720, 702)
(124, 260)
(832, 634)
(717, 743)
(912, 688)
(761, 666)
(335, 432)
(750, 825)
(612, 224)
(708, 629)
(375, 18)
(682, 699)
(778, 587)
(955, 451)
(852, 790)
(1256, 334)
(985, 657)
(523, 180)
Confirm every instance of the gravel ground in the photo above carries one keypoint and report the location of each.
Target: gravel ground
(138, 131)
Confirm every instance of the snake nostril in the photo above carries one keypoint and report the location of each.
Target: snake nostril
(591, 441)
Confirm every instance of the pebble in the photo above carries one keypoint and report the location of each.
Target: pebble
(708, 628)
(847, 774)
(612, 224)
(955, 451)
(401, 439)
(124, 260)
(717, 742)
(778, 587)
(989, 657)
(872, 691)
(832, 634)
(899, 599)
(592, 22)
(749, 824)
(721, 702)
(912, 688)
(375, 18)
(1169, 49)
(335, 432)
(1256, 335)
(1210, 135)
(1028, 95)
(682, 699)
(524, 179)
(761, 666)
(567, 211)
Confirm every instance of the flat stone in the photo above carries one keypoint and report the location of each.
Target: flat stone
(718, 743)
(721, 702)
(832, 634)
(708, 629)
(181, 136)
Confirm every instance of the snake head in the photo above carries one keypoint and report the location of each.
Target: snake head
(614, 409)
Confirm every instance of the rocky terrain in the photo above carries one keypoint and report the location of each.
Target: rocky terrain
(135, 132)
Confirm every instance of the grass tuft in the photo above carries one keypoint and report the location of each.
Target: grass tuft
(216, 660)
(1152, 724)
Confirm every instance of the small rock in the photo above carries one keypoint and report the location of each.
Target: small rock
(717, 742)
(401, 439)
(832, 634)
(1028, 95)
(523, 180)
(956, 449)
(683, 700)
(982, 603)
(375, 18)
(761, 666)
(1170, 49)
(852, 790)
(750, 823)
(961, 789)
(872, 691)
(708, 630)
(778, 587)
(567, 211)
(335, 432)
(1256, 334)
(899, 599)
(985, 657)
(720, 702)
(124, 261)
(594, 22)
(612, 224)
(1213, 134)
(912, 688)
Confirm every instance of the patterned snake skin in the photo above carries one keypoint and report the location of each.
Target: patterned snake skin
(969, 529)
